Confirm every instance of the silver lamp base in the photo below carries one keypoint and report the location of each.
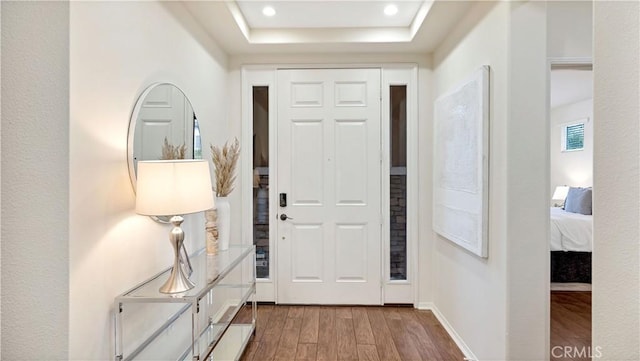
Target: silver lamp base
(178, 281)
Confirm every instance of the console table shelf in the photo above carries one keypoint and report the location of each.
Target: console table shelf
(193, 325)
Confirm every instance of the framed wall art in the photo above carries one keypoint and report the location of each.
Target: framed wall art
(461, 163)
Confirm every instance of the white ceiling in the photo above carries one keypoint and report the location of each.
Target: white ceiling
(570, 86)
(328, 14)
(334, 26)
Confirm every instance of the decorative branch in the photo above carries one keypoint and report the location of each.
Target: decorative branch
(224, 163)
(170, 151)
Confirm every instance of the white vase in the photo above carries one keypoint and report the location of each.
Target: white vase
(224, 222)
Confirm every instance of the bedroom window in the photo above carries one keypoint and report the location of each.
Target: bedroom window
(573, 137)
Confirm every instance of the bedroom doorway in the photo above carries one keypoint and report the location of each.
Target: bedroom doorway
(571, 220)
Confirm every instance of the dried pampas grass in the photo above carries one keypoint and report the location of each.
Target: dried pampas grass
(224, 162)
(170, 151)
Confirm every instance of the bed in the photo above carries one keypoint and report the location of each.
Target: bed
(571, 246)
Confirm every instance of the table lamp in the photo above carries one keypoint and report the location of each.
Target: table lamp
(560, 194)
(174, 188)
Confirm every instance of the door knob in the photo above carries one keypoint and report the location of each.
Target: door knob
(284, 217)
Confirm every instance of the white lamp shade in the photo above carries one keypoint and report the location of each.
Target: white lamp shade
(560, 194)
(173, 187)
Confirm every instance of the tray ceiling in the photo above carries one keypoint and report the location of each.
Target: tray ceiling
(312, 26)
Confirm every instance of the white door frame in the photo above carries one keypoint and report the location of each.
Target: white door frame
(392, 74)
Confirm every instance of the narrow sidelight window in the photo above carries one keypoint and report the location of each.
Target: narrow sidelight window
(398, 183)
(261, 179)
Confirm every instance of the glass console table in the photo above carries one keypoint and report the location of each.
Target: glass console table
(193, 325)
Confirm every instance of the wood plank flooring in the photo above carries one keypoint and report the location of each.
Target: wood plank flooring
(570, 324)
(324, 333)
(332, 333)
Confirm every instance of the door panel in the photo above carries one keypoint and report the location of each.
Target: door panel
(307, 265)
(307, 94)
(350, 94)
(351, 163)
(329, 124)
(307, 170)
(351, 253)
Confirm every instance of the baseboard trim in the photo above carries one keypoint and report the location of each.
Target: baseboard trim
(468, 354)
(427, 306)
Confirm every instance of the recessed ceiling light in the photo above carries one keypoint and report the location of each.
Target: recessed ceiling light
(268, 11)
(390, 10)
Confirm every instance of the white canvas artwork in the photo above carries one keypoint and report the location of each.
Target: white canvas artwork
(461, 163)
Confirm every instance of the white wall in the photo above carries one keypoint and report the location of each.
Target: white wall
(616, 256)
(117, 50)
(35, 188)
(0, 191)
(527, 187)
(470, 292)
(496, 305)
(571, 168)
(570, 30)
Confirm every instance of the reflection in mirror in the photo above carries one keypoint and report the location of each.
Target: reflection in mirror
(163, 121)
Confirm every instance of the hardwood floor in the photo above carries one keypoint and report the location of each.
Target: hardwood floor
(571, 325)
(322, 333)
(347, 333)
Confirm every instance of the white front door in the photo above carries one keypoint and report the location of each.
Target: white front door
(329, 167)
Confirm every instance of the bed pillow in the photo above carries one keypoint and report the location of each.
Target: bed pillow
(578, 200)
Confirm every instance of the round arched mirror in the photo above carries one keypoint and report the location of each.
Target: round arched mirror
(163, 126)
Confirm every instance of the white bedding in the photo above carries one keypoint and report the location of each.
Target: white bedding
(571, 231)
